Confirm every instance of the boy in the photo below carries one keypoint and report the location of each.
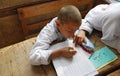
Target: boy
(105, 18)
(60, 28)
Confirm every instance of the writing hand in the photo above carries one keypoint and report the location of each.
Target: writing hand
(68, 52)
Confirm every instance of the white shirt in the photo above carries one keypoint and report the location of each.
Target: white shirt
(105, 18)
(40, 53)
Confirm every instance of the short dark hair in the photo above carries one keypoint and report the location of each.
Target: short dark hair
(69, 13)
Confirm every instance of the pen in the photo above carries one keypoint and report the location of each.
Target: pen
(88, 51)
(90, 56)
(69, 48)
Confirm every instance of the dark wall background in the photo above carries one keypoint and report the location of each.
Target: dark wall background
(10, 27)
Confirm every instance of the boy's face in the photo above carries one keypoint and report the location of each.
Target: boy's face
(68, 29)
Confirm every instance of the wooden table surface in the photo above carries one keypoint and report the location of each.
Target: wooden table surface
(14, 60)
(115, 73)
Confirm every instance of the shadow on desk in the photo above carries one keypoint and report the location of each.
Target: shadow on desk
(45, 70)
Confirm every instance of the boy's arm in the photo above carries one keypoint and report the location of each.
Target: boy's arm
(84, 30)
(40, 53)
(86, 27)
(63, 52)
(92, 19)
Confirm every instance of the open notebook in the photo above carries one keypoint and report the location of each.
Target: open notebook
(79, 65)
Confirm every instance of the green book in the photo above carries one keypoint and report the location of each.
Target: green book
(102, 57)
(118, 0)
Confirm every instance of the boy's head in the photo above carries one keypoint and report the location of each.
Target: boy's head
(69, 20)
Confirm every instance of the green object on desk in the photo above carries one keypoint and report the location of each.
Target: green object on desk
(102, 57)
(118, 0)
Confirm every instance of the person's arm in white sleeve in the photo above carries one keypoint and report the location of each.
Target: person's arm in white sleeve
(81, 33)
(40, 53)
(86, 26)
(91, 21)
(94, 19)
(111, 28)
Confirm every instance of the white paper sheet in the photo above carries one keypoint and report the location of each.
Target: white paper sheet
(79, 65)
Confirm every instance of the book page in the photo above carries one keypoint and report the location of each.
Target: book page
(102, 57)
(79, 65)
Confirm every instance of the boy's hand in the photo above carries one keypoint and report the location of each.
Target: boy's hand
(79, 38)
(68, 52)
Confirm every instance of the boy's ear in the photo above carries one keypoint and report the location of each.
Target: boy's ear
(58, 23)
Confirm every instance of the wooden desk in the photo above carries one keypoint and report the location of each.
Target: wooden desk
(14, 60)
(115, 73)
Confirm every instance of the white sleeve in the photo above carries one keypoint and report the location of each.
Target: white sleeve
(93, 19)
(40, 53)
(111, 30)
(86, 26)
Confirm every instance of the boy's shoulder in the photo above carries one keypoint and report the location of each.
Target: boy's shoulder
(51, 26)
(52, 22)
